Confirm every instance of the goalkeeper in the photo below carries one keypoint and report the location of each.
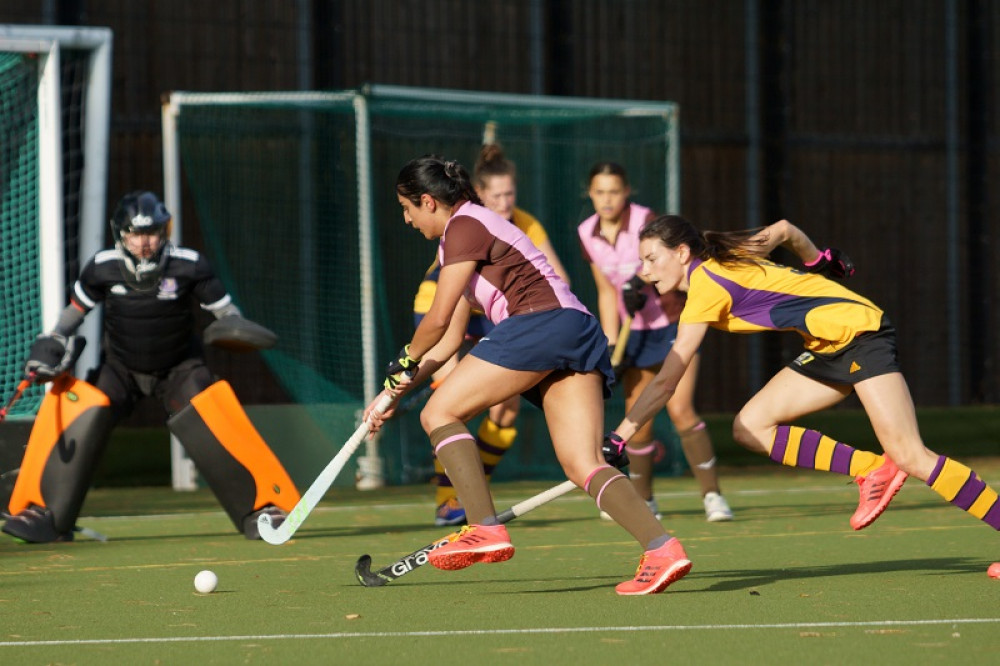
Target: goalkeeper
(150, 348)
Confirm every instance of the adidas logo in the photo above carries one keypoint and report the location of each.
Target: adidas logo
(854, 367)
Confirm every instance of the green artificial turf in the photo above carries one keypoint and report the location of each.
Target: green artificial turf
(787, 582)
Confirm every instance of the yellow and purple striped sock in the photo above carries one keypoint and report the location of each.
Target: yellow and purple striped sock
(962, 487)
(493, 441)
(799, 447)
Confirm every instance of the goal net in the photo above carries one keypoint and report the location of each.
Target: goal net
(294, 194)
(54, 116)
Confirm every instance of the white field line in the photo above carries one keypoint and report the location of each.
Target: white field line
(503, 498)
(868, 625)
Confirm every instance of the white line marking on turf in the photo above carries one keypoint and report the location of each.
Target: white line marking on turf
(508, 632)
(502, 497)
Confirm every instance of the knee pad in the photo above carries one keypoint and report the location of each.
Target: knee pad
(230, 454)
(66, 443)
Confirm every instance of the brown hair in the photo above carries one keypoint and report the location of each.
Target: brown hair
(607, 169)
(726, 247)
(492, 162)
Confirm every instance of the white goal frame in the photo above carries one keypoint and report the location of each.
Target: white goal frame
(48, 42)
(172, 186)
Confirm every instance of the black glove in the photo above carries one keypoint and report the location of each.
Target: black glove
(52, 355)
(614, 451)
(831, 262)
(394, 371)
(633, 295)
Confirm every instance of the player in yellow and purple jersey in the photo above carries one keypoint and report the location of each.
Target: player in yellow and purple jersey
(850, 346)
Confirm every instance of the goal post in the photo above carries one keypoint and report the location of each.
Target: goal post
(293, 194)
(55, 89)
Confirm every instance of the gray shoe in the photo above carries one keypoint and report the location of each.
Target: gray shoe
(717, 508)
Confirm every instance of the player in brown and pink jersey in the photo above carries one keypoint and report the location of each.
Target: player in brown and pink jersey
(545, 345)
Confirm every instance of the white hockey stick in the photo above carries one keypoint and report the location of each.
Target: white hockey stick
(283, 532)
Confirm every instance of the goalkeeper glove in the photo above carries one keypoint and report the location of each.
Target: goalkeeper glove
(832, 263)
(52, 355)
(394, 371)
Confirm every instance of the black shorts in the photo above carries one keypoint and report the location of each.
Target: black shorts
(866, 356)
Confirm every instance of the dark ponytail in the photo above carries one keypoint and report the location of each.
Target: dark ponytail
(445, 180)
(726, 247)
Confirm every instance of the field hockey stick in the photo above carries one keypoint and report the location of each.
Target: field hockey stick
(283, 532)
(418, 558)
(87, 532)
(622, 342)
(18, 392)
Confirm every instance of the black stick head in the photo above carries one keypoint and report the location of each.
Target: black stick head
(363, 570)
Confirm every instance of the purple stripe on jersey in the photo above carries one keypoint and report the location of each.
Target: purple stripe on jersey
(970, 492)
(841, 462)
(807, 449)
(992, 517)
(937, 470)
(780, 444)
(752, 305)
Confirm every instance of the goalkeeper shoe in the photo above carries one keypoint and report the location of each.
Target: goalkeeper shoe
(250, 529)
(450, 512)
(717, 508)
(877, 489)
(475, 543)
(35, 525)
(657, 570)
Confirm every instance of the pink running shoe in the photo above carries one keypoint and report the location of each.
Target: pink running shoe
(475, 543)
(877, 488)
(657, 570)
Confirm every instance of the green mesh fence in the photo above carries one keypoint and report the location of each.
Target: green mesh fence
(275, 186)
(20, 301)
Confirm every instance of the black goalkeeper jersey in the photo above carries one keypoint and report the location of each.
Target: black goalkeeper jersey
(151, 329)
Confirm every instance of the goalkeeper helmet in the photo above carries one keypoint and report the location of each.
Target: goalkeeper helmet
(141, 213)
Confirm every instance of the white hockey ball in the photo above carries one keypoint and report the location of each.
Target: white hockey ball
(206, 581)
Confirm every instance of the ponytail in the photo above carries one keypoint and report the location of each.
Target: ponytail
(445, 180)
(726, 247)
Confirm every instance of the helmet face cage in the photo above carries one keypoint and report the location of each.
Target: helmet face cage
(141, 212)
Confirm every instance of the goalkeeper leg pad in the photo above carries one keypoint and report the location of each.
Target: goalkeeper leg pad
(231, 456)
(66, 443)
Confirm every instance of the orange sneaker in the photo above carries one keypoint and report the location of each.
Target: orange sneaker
(657, 570)
(475, 543)
(877, 488)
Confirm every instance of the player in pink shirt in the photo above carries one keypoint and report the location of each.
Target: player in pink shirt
(610, 242)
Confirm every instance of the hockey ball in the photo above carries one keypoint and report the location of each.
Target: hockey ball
(205, 582)
(994, 570)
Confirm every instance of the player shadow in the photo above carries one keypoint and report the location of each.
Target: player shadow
(753, 580)
(750, 579)
(747, 512)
